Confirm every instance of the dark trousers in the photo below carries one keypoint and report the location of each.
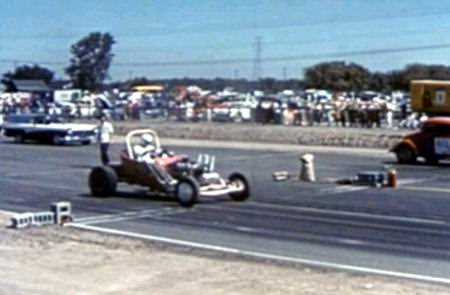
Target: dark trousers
(104, 153)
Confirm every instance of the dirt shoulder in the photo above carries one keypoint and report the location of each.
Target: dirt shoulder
(56, 260)
(249, 132)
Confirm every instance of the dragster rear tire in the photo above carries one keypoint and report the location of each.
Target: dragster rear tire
(103, 181)
(187, 191)
(405, 155)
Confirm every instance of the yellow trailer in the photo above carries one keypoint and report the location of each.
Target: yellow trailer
(148, 88)
(430, 96)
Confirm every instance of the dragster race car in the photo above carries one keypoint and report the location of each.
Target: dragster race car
(145, 163)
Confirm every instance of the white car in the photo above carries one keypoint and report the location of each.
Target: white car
(42, 128)
(236, 110)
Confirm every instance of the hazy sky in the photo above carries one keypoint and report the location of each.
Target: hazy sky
(187, 31)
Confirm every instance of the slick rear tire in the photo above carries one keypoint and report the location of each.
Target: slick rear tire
(19, 138)
(405, 155)
(56, 140)
(103, 181)
(187, 192)
(239, 180)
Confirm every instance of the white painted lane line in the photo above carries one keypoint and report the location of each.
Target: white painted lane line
(406, 181)
(342, 189)
(103, 218)
(112, 215)
(335, 220)
(110, 218)
(426, 189)
(261, 255)
(298, 234)
(245, 229)
(352, 214)
(129, 213)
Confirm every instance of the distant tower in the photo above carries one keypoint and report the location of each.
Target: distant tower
(257, 63)
(235, 74)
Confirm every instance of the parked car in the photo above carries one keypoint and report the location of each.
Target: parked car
(232, 110)
(268, 110)
(432, 143)
(47, 129)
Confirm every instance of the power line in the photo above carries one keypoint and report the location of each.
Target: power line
(290, 58)
(294, 43)
(358, 53)
(252, 60)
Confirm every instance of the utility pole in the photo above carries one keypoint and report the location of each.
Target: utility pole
(235, 74)
(235, 78)
(257, 62)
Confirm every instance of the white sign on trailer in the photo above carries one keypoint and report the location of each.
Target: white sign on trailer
(440, 98)
(442, 146)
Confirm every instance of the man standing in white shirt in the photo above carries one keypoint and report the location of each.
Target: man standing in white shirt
(105, 131)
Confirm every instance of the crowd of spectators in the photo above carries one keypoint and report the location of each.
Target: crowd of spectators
(341, 110)
(344, 113)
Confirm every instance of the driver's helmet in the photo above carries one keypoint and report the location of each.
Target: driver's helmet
(147, 139)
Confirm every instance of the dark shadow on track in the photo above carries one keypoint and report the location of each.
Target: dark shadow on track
(142, 195)
(417, 164)
(79, 166)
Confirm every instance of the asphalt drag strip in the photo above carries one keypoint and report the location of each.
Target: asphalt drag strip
(402, 231)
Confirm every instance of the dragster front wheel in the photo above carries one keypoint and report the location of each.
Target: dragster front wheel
(239, 181)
